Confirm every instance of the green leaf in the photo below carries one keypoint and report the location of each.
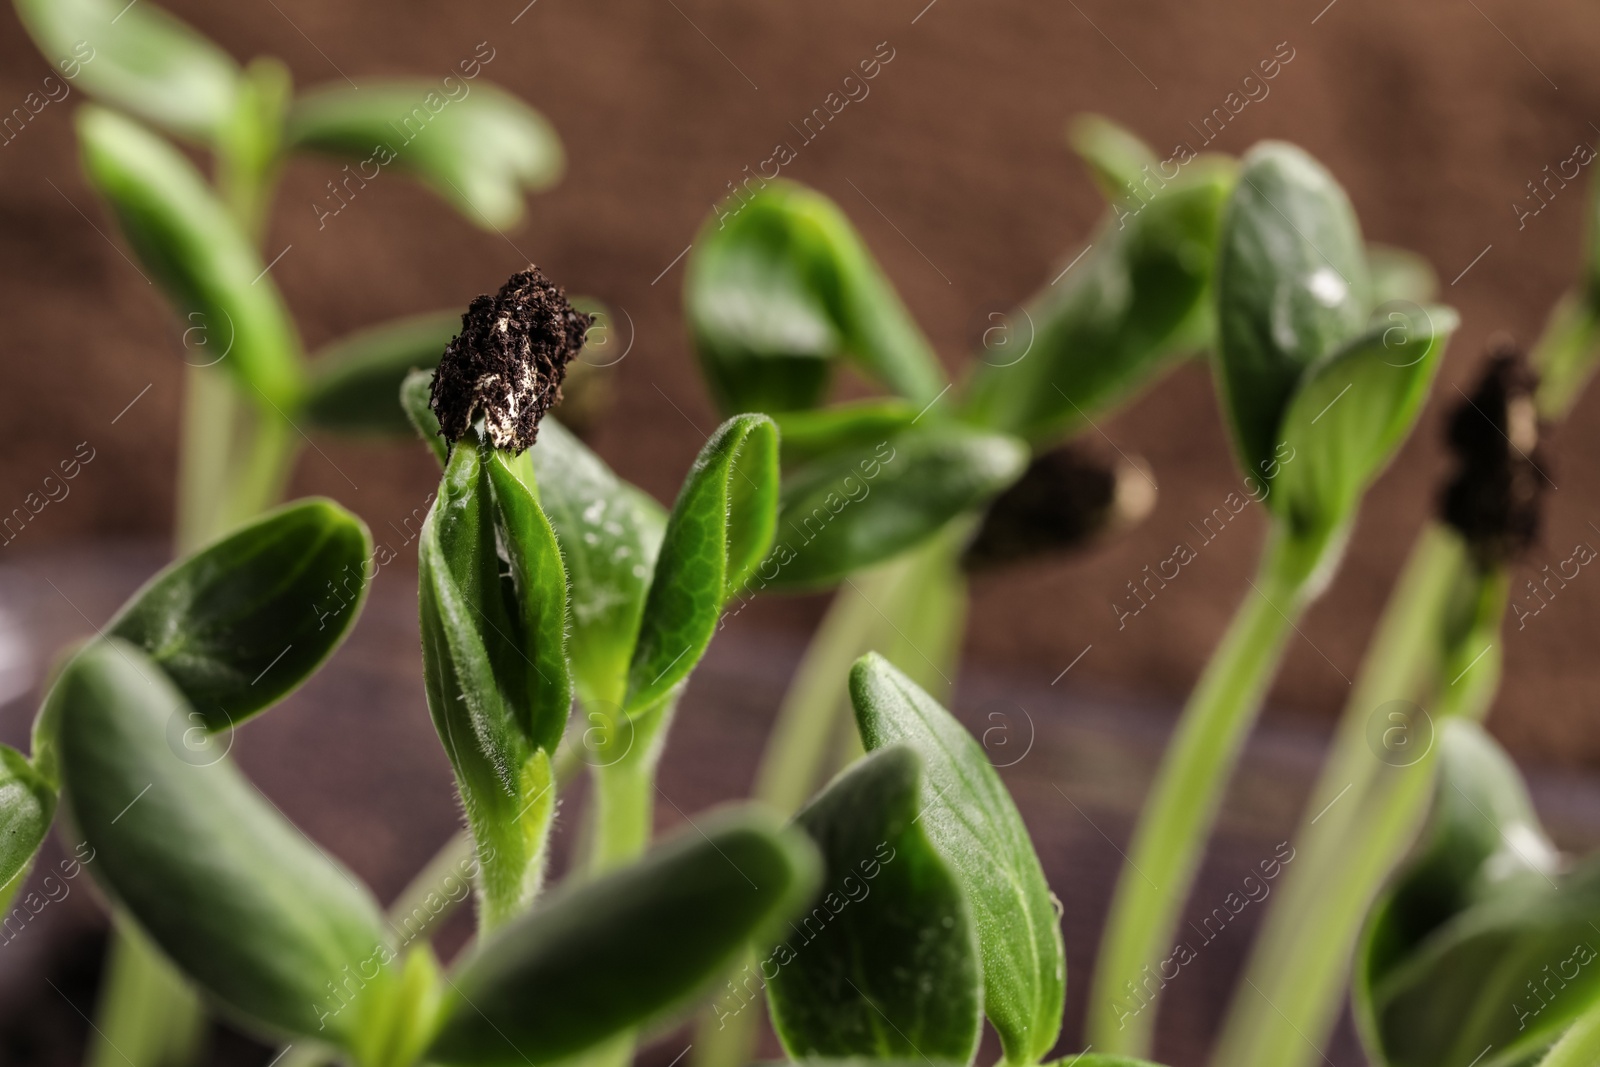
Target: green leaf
(971, 820)
(808, 435)
(1292, 286)
(1477, 893)
(1118, 160)
(1095, 1059)
(1482, 836)
(1352, 411)
(475, 145)
(1504, 978)
(868, 503)
(238, 898)
(494, 660)
(233, 315)
(610, 533)
(885, 965)
(139, 58)
(719, 529)
(622, 952)
(27, 806)
(355, 382)
(1105, 326)
(415, 393)
(779, 285)
(240, 624)
(1398, 274)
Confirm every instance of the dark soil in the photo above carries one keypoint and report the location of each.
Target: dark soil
(507, 364)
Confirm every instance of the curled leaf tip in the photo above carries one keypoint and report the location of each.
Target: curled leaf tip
(508, 362)
(1494, 500)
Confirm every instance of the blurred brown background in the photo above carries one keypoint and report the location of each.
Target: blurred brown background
(1434, 115)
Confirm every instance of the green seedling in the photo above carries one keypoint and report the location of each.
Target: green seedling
(252, 394)
(1435, 656)
(1320, 386)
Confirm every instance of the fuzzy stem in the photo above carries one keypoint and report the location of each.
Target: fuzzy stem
(1182, 806)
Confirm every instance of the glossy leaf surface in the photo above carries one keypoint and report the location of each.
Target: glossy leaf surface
(779, 285)
(1292, 286)
(1350, 413)
(971, 819)
(355, 382)
(719, 530)
(243, 622)
(140, 58)
(865, 504)
(476, 145)
(885, 964)
(231, 311)
(27, 806)
(254, 913)
(619, 953)
(610, 533)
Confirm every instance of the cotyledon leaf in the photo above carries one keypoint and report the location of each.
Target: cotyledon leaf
(1292, 285)
(610, 533)
(234, 895)
(971, 819)
(241, 623)
(866, 503)
(140, 58)
(232, 313)
(474, 144)
(885, 964)
(621, 952)
(719, 530)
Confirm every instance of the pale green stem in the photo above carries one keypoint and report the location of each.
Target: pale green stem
(148, 1016)
(205, 444)
(1182, 806)
(1402, 663)
(1579, 1046)
(818, 693)
(1285, 1015)
(620, 821)
(622, 816)
(262, 471)
(437, 879)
